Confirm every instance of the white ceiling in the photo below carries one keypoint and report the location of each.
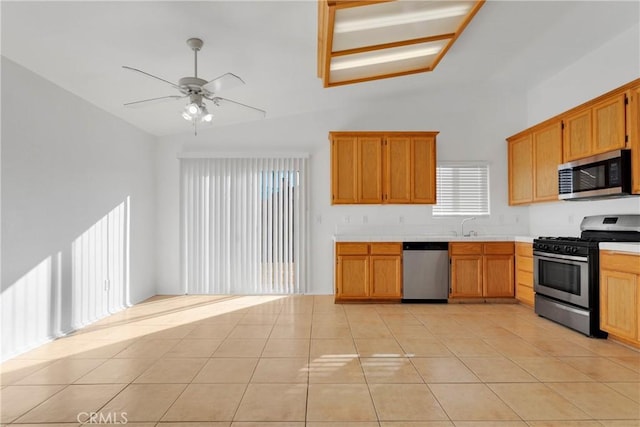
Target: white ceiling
(81, 46)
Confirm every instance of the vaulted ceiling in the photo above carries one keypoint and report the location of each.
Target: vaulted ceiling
(82, 45)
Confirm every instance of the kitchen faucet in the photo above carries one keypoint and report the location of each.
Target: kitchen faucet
(462, 226)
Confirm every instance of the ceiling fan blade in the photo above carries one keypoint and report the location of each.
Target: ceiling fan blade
(224, 82)
(152, 101)
(242, 109)
(152, 76)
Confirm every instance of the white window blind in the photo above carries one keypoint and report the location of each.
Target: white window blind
(243, 225)
(462, 189)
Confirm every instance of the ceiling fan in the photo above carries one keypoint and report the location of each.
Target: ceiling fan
(197, 90)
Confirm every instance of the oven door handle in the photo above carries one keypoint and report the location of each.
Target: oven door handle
(556, 257)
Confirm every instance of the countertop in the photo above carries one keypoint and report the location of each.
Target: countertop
(428, 238)
(631, 247)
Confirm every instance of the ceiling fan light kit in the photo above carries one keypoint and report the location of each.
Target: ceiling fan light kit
(197, 90)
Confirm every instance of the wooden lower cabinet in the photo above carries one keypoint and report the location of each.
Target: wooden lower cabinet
(524, 273)
(482, 269)
(368, 271)
(620, 296)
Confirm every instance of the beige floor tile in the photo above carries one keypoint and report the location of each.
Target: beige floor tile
(63, 371)
(144, 402)
(619, 423)
(513, 347)
(602, 369)
(277, 347)
(259, 319)
(273, 402)
(390, 370)
(423, 347)
(322, 348)
(17, 400)
(65, 405)
(564, 423)
(443, 370)
(281, 370)
(195, 424)
(326, 331)
(550, 369)
(340, 402)
(470, 402)
(250, 331)
(417, 424)
(102, 349)
(270, 424)
(166, 371)
(632, 362)
(560, 347)
(336, 369)
(211, 331)
(227, 370)
(365, 331)
(469, 347)
(190, 347)
(291, 331)
(240, 348)
(598, 400)
(49, 425)
(630, 390)
(511, 423)
(168, 331)
(14, 370)
(405, 402)
(378, 347)
(116, 371)
(541, 403)
(148, 349)
(409, 330)
(206, 402)
(497, 370)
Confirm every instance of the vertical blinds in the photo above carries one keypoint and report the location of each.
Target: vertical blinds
(462, 189)
(243, 225)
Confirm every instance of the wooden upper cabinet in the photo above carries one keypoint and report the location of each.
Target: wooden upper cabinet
(344, 167)
(609, 124)
(547, 155)
(398, 170)
(633, 130)
(423, 177)
(383, 167)
(577, 137)
(520, 170)
(369, 170)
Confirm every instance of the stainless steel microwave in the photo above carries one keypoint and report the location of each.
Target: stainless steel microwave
(601, 176)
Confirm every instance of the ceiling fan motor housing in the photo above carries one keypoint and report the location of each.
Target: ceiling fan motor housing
(192, 84)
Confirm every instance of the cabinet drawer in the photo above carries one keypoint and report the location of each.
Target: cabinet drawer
(498, 248)
(524, 278)
(524, 264)
(458, 248)
(352, 248)
(387, 248)
(524, 249)
(616, 261)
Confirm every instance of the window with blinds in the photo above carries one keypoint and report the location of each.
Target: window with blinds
(243, 225)
(462, 189)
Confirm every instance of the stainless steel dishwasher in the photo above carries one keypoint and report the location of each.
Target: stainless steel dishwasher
(425, 272)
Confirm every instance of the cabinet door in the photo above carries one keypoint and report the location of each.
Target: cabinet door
(609, 124)
(633, 130)
(352, 276)
(466, 276)
(498, 276)
(618, 303)
(423, 175)
(369, 169)
(397, 170)
(547, 155)
(520, 170)
(576, 138)
(386, 276)
(344, 164)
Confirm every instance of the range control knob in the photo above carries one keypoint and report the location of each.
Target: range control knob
(567, 249)
(545, 247)
(574, 250)
(556, 248)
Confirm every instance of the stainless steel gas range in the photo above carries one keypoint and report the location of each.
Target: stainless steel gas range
(566, 271)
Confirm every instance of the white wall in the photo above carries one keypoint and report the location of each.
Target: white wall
(65, 166)
(473, 122)
(611, 65)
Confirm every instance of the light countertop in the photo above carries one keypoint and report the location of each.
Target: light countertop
(631, 247)
(428, 238)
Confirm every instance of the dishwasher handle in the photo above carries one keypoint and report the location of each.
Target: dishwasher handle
(425, 246)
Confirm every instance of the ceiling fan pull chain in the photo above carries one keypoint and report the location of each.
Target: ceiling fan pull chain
(195, 52)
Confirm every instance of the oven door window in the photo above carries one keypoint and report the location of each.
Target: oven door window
(561, 276)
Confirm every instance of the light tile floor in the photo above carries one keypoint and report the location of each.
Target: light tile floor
(206, 361)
